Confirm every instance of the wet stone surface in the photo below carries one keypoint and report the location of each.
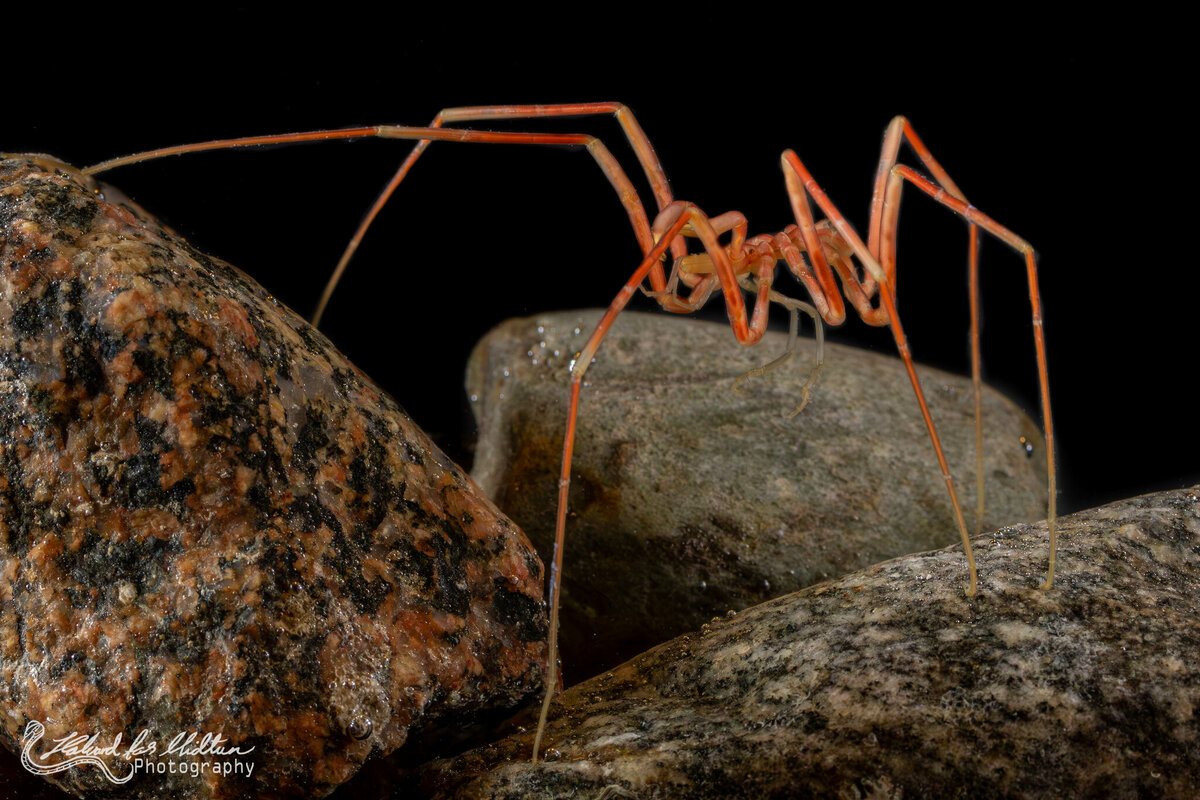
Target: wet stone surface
(889, 683)
(688, 499)
(210, 521)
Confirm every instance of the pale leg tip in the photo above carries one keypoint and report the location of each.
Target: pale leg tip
(972, 576)
(1048, 584)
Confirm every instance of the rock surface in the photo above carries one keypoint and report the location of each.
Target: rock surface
(211, 522)
(688, 500)
(889, 684)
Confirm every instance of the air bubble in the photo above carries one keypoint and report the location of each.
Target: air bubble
(552, 754)
(361, 728)
(1028, 445)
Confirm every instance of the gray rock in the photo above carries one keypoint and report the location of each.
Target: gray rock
(889, 683)
(688, 500)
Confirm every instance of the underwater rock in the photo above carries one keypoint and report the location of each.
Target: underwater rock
(890, 683)
(688, 500)
(212, 523)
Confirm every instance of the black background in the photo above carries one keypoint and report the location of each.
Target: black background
(1080, 148)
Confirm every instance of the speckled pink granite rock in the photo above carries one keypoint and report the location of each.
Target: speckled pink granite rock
(210, 521)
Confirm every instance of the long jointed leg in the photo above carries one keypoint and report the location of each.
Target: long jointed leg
(629, 124)
(668, 228)
(800, 186)
(603, 157)
(885, 207)
(881, 242)
(879, 261)
(578, 367)
(982, 220)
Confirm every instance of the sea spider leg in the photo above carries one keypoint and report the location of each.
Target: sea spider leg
(883, 229)
(668, 226)
(901, 173)
(629, 124)
(608, 164)
(885, 208)
(801, 185)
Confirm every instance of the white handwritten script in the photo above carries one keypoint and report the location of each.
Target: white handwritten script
(77, 749)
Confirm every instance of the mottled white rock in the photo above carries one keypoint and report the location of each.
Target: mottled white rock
(688, 500)
(889, 683)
